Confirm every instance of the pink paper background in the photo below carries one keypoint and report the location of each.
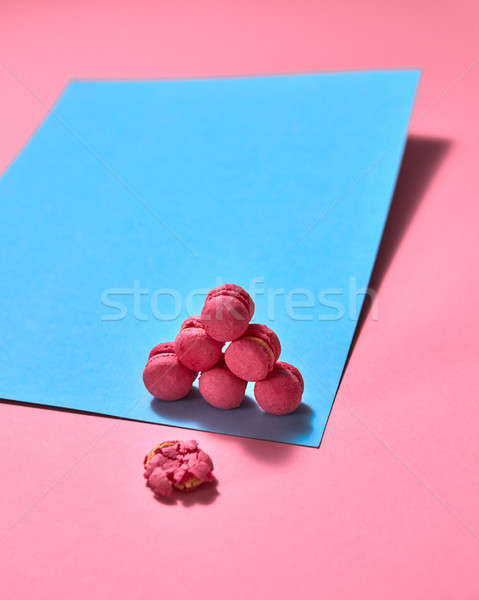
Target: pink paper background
(389, 505)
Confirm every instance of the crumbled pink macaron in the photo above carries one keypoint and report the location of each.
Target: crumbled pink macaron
(179, 465)
(252, 356)
(227, 311)
(221, 388)
(164, 376)
(281, 392)
(195, 348)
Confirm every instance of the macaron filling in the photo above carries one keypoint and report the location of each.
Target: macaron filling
(293, 371)
(281, 392)
(252, 356)
(266, 334)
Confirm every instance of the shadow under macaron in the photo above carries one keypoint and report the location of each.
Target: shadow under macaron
(248, 420)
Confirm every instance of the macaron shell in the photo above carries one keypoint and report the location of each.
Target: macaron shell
(166, 378)
(225, 318)
(293, 370)
(221, 388)
(192, 322)
(196, 349)
(163, 348)
(280, 393)
(235, 291)
(160, 484)
(250, 358)
(263, 332)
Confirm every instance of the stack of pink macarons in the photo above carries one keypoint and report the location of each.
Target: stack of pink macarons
(252, 355)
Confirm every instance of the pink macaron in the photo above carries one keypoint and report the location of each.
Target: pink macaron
(280, 393)
(227, 311)
(220, 388)
(164, 376)
(195, 348)
(177, 464)
(252, 356)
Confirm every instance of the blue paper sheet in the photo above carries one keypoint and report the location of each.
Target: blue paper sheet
(135, 197)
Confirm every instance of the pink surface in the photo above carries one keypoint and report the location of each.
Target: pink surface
(388, 507)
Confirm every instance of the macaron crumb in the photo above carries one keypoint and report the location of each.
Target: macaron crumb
(177, 465)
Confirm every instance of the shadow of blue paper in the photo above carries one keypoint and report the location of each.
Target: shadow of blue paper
(248, 420)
